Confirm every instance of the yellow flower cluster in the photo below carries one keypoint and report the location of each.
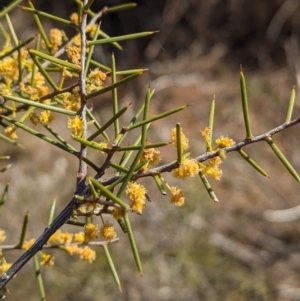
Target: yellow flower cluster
(79, 237)
(70, 242)
(85, 254)
(55, 39)
(108, 231)
(151, 155)
(71, 101)
(76, 126)
(177, 196)
(137, 195)
(92, 30)
(187, 168)
(9, 70)
(95, 80)
(46, 117)
(206, 134)
(90, 232)
(184, 140)
(47, 260)
(73, 53)
(224, 142)
(74, 18)
(4, 266)
(10, 131)
(212, 168)
(61, 238)
(27, 244)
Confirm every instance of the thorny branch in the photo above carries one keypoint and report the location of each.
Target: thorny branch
(66, 213)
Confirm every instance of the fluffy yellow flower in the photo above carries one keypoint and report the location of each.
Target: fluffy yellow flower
(90, 232)
(87, 254)
(224, 142)
(10, 131)
(46, 117)
(108, 231)
(76, 125)
(79, 237)
(184, 140)
(73, 53)
(97, 77)
(66, 237)
(34, 93)
(206, 134)
(27, 244)
(55, 39)
(56, 237)
(9, 69)
(151, 155)
(212, 168)
(74, 18)
(187, 168)
(47, 260)
(72, 249)
(39, 79)
(177, 196)
(4, 267)
(137, 195)
(71, 101)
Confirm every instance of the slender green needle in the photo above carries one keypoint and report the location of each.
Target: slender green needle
(157, 117)
(54, 60)
(211, 124)
(245, 104)
(115, 95)
(11, 29)
(40, 135)
(159, 184)
(115, 8)
(106, 192)
(52, 211)
(49, 16)
(3, 196)
(291, 105)
(283, 159)
(10, 7)
(122, 38)
(115, 85)
(109, 122)
(112, 267)
(133, 244)
(11, 141)
(24, 230)
(179, 145)
(40, 105)
(40, 27)
(208, 187)
(39, 277)
(252, 163)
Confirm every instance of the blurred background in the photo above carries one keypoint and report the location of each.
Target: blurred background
(246, 247)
